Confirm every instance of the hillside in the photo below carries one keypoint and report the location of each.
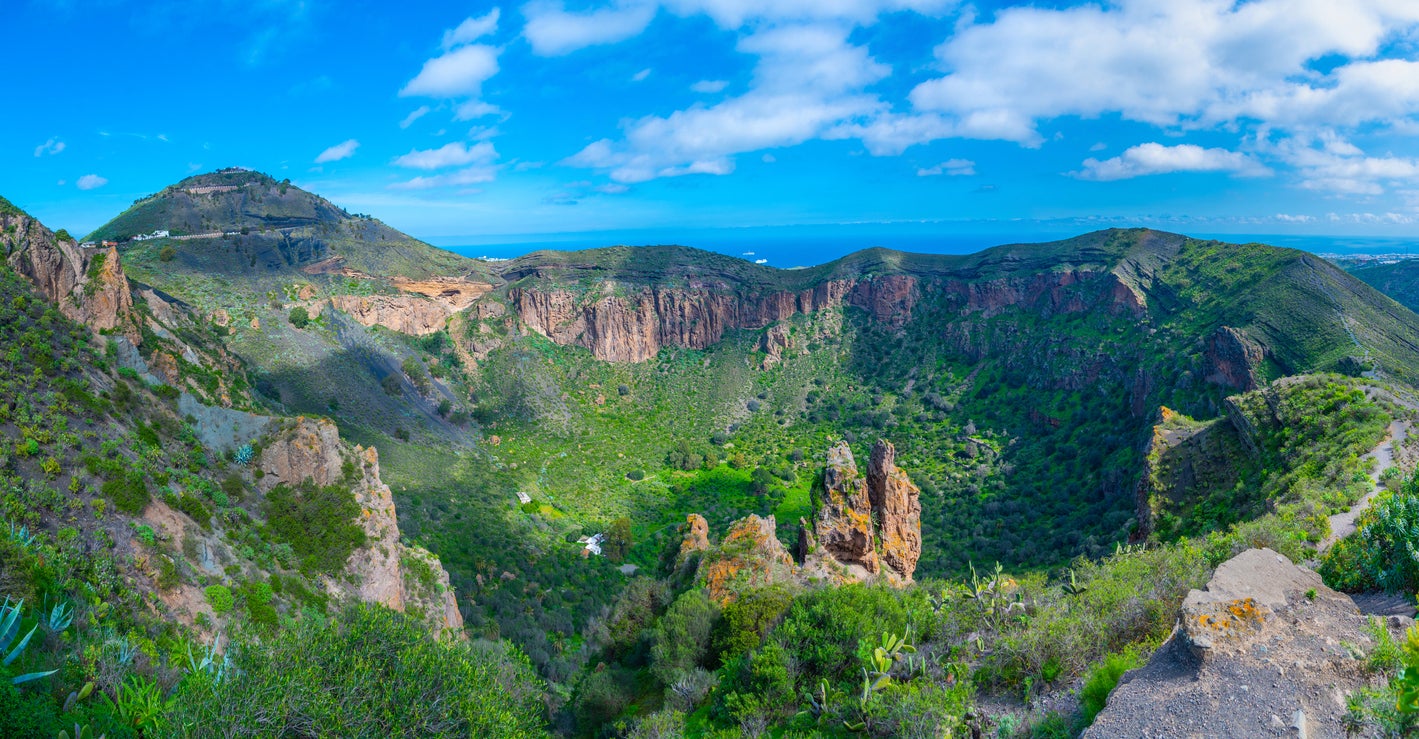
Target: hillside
(145, 518)
(1398, 280)
(238, 222)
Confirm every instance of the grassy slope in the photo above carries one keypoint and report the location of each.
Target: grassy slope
(1399, 281)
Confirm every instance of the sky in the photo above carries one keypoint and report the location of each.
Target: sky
(459, 122)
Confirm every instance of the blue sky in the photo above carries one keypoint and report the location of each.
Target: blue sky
(454, 121)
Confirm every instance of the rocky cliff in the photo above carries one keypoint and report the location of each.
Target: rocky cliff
(385, 570)
(625, 323)
(863, 526)
(87, 284)
(1264, 650)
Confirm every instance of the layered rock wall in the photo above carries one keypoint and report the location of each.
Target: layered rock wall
(310, 449)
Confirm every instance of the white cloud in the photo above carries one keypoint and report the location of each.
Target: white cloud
(1288, 218)
(414, 115)
(1190, 63)
(52, 146)
(554, 31)
(641, 75)
(737, 13)
(807, 81)
(709, 86)
(612, 189)
(91, 182)
(475, 109)
(471, 29)
(449, 155)
(462, 178)
(343, 150)
(950, 167)
(458, 73)
(1154, 158)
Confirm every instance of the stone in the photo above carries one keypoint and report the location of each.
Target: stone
(896, 503)
(842, 524)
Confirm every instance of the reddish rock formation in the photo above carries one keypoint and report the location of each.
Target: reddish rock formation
(311, 449)
(406, 314)
(1233, 359)
(455, 292)
(842, 526)
(620, 327)
(696, 538)
(896, 503)
(774, 343)
(749, 556)
(87, 285)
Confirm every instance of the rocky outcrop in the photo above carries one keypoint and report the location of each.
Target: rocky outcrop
(1260, 652)
(1232, 359)
(87, 284)
(406, 314)
(864, 526)
(621, 326)
(695, 540)
(842, 525)
(384, 570)
(454, 292)
(750, 555)
(774, 343)
(896, 503)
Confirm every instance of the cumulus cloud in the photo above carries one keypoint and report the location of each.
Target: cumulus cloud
(1154, 158)
(449, 155)
(1179, 63)
(709, 86)
(343, 150)
(477, 163)
(553, 30)
(737, 13)
(471, 29)
(52, 146)
(950, 167)
(807, 81)
(458, 73)
(91, 182)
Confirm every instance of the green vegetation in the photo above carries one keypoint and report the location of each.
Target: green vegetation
(1382, 553)
(369, 672)
(1102, 679)
(299, 317)
(318, 523)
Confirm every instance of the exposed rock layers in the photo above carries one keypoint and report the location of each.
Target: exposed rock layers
(864, 526)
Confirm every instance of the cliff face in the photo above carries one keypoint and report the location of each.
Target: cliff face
(896, 503)
(1233, 359)
(620, 327)
(88, 285)
(403, 313)
(385, 570)
(863, 526)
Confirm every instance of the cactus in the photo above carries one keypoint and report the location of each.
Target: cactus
(9, 629)
(76, 696)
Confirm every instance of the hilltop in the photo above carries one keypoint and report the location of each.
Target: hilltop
(238, 222)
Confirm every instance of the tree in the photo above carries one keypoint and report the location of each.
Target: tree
(618, 540)
(299, 317)
(167, 253)
(680, 640)
(761, 479)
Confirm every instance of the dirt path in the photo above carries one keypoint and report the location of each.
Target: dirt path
(1343, 524)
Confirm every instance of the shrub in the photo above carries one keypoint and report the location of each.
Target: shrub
(1384, 552)
(747, 619)
(403, 682)
(680, 640)
(167, 253)
(1102, 679)
(129, 492)
(299, 317)
(317, 522)
(220, 598)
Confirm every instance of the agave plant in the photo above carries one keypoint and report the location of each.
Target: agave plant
(244, 455)
(58, 618)
(209, 664)
(81, 732)
(140, 704)
(9, 629)
(21, 535)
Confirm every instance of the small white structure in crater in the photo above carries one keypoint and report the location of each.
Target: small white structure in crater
(593, 543)
(523, 498)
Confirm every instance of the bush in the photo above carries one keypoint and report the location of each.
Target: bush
(1102, 679)
(299, 317)
(747, 619)
(220, 598)
(167, 253)
(1384, 552)
(129, 492)
(317, 522)
(680, 640)
(366, 672)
